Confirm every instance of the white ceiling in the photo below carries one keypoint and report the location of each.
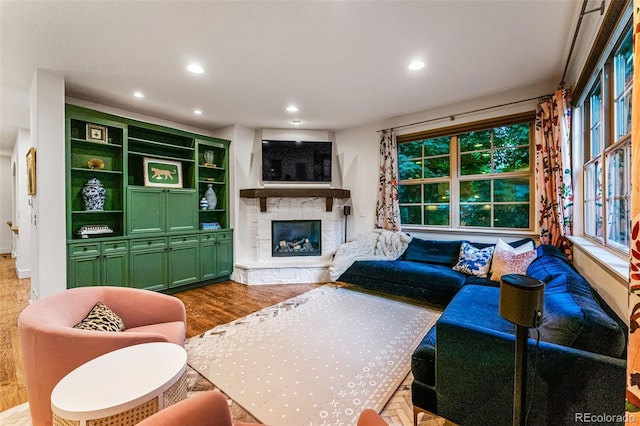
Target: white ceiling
(343, 63)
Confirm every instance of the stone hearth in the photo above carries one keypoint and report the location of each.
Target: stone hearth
(268, 269)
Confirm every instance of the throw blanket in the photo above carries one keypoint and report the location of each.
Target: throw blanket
(379, 244)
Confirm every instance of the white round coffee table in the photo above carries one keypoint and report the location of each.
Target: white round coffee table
(122, 387)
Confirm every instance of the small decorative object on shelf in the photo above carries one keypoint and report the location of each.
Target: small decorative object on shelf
(208, 158)
(93, 194)
(211, 197)
(204, 203)
(210, 225)
(96, 133)
(87, 231)
(95, 164)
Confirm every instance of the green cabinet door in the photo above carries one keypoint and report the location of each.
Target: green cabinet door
(147, 210)
(99, 263)
(115, 271)
(148, 262)
(115, 263)
(84, 271)
(216, 255)
(208, 257)
(184, 260)
(225, 254)
(84, 265)
(182, 210)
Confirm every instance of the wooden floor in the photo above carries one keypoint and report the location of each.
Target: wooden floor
(207, 307)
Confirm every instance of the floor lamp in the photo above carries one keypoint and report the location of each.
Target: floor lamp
(521, 300)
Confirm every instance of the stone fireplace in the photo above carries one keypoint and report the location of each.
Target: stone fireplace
(296, 238)
(300, 207)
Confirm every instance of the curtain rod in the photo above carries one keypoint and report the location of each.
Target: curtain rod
(453, 116)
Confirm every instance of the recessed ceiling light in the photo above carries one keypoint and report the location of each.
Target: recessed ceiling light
(416, 65)
(197, 111)
(296, 122)
(138, 94)
(292, 108)
(195, 68)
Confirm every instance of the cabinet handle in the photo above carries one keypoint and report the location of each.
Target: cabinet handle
(149, 242)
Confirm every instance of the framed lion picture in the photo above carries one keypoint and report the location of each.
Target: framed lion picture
(164, 173)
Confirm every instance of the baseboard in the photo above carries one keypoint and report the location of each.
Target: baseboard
(23, 273)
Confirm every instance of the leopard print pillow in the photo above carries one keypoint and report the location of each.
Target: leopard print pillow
(101, 318)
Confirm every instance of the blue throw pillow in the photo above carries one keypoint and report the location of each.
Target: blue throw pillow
(474, 261)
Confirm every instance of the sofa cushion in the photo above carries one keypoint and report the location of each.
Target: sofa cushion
(434, 283)
(477, 306)
(174, 331)
(423, 360)
(433, 251)
(515, 244)
(474, 261)
(472, 279)
(409, 273)
(571, 314)
(101, 318)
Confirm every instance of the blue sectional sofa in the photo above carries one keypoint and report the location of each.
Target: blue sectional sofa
(463, 368)
(423, 272)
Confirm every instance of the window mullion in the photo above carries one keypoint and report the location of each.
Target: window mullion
(454, 179)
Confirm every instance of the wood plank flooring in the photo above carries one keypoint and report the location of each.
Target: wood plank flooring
(14, 296)
(206, 307)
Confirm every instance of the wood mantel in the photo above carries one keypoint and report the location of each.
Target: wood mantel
(263, 193)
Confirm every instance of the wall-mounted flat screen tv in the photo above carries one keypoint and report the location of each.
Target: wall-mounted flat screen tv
(296, 161)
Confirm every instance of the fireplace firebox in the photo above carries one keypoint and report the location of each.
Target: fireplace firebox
(296, 238)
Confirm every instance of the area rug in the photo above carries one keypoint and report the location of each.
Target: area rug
(317, 359)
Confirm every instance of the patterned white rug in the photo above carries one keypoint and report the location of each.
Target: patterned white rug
(317, 359)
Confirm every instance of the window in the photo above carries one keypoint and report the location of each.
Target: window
(473, 177)
(607, 141)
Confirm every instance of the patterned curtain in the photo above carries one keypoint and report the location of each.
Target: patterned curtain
(553, 171)
(633, 350)
(387, 208)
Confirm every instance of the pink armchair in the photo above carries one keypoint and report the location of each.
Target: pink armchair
(211, 409)
(203, 409)
(51, 347)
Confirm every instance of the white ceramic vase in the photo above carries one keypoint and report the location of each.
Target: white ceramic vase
(211, 197)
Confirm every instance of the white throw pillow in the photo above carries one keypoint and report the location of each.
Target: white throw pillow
(510, 260)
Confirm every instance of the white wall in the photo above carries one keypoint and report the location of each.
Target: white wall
(242, 174)
(22, 209)
(48, 243)
(6, 183)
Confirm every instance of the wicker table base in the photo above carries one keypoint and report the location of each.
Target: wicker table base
(122, 387)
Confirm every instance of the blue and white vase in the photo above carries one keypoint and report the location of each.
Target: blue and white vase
(93, 194)
(211, 197)
(204, 203)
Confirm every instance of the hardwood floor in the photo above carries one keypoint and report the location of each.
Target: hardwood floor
(14, 297)
(206, 307)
